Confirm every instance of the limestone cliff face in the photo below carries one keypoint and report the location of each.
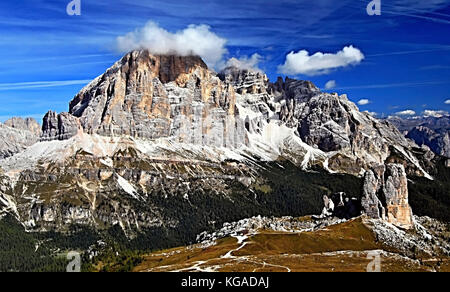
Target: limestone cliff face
(180, 99)
(396, 193)
(16, 134)
(152, 97)
(27, 124)
(437, 140)
(246, 81)
(332, 123)
(385, 195)
(59, 126)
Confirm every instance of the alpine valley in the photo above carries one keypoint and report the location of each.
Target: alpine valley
(162, 164)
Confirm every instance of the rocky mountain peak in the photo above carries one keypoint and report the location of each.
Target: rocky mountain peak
(138, 68)
(293, 88)
(433, 132)
(167, 124)
(245, 80)
(16, 134)
(154, 96)
(59, 126)
(27, 124)
(180, 99)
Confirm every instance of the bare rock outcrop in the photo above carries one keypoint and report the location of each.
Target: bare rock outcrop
(385, 195)
(59, 126)
(332, 123)
(432, 131)
(178, 98)
(26, 124)
(16, 135)
(438, 141)
(160, 96)
(245, 81)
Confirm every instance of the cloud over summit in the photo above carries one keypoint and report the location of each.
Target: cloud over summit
(435, 113)
(245, 63)
(193, 40)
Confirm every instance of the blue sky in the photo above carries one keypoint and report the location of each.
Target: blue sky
(49, 56)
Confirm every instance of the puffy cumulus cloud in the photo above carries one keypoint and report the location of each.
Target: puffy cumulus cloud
(436, 114)
(193, 40)
(245, 63)
(364, 102)
(447, 101)
(320, 63)
(330, 84)
(406, 113)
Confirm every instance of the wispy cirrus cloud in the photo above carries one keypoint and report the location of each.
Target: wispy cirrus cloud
(392, 85)
(435, 67)
(428, 6)
(40, 84)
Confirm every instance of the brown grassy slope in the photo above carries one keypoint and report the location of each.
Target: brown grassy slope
(342, 248)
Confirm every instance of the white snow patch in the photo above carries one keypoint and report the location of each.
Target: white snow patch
(107, 161)
(127, 187)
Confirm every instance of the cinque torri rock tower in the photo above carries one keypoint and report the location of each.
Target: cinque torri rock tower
(385, 195)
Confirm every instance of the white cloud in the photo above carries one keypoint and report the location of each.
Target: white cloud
(245, 63)
(364, 102)
(330, 84)
(447, 101)
(406, 113)
(40, 84)
(193, 40)
(320, 63)
(436, 114)
(373, 114)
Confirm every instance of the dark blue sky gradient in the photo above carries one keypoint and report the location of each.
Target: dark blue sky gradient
(407, 48)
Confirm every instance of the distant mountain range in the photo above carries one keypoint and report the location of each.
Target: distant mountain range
(433, 132)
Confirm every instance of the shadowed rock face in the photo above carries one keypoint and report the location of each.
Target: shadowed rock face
(439, 142)
(59, 126)
(433, 132)
(385, 195)
(332, 123)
